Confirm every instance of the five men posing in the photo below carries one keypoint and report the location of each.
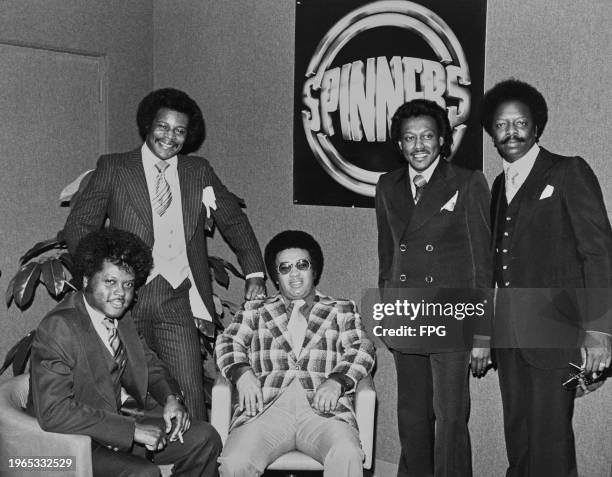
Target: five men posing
(300, 354)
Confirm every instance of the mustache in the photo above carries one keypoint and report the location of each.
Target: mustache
(513, 136)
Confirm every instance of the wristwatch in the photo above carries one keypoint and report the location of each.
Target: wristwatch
(179, 397)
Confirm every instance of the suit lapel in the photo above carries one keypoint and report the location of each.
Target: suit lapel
(318, 323)
(530, 191)
(135, 373)
(274, 315)
(94, 353)
(401, 196)
(438, 192)
(132, 174)
(191, 195)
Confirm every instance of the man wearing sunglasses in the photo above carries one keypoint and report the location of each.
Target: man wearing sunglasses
(295, 359)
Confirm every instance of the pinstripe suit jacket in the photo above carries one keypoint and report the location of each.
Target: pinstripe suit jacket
(118, 190)
(335, 342)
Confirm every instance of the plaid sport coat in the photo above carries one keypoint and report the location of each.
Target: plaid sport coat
(335, 342)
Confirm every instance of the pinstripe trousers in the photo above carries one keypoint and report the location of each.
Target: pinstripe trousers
(163, 315)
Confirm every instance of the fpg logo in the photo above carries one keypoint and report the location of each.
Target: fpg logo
(355, 101)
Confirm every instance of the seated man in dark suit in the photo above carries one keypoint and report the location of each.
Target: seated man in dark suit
(87, 359)
(295, 359)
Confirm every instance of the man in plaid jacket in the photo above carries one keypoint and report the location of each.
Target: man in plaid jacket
(295, 359)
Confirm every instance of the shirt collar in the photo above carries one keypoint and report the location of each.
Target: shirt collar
(95, 315)
(310, 300)
(151, 159)
(427, 173)
(525, 163)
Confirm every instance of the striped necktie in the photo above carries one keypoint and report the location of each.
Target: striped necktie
(420, 182)
(163, 194)
(115, 343)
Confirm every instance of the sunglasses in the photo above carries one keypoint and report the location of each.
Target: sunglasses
(285, 267)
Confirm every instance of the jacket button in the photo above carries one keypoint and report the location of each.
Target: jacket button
(297, 366)
(505, 267)
(402, 278)
(429, 247)
(508, 219)
(507, 284)
(428, 279)
(402, 247)
(505, 250)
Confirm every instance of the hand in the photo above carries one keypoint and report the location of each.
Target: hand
(174, 410)
(326, 397)
(250, 397)
(480, 360)
(254, 288)
(596, 352)
(150, 435)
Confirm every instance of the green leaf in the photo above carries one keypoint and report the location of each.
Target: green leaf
(53, 276)
(25, 282)
(20, 362)
(218, 271)
(9, 292)
(39, 248)
(227, 265)
(10, 357)
(66, 259)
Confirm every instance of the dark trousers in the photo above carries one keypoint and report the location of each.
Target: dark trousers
(196, 457)
(163, 316)
(433, 406)
(537, 418)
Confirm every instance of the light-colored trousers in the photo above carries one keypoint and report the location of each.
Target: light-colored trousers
(291, 424)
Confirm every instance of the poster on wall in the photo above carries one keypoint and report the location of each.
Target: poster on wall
(356, 62)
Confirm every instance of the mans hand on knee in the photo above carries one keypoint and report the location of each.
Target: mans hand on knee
(326, 397)
(250, 397)
(150, 435)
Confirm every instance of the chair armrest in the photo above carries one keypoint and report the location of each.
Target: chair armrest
(221, 406)
(365, 407)
(22, 436)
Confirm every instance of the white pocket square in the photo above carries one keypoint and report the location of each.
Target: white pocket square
(450, 205)
(547, 192)
(209, 200)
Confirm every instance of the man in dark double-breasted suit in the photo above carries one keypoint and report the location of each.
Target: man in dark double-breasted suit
(553, 251)
(169, 200)
(433, 231)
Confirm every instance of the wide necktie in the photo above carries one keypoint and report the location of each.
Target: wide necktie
(512, 187)
(297, 326)
(115, 342)
(420, 182)
(163, 194)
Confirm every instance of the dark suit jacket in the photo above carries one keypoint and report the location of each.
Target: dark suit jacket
(429, 245)
(560, 245)
(118, 190)
(70, 382)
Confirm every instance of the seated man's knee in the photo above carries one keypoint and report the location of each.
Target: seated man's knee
(345, 451)
(238, 465)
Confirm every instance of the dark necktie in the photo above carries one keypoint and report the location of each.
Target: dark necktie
(115, 343)
(420, 182)
(163, 194)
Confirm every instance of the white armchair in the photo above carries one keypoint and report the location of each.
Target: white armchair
(365, 405)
